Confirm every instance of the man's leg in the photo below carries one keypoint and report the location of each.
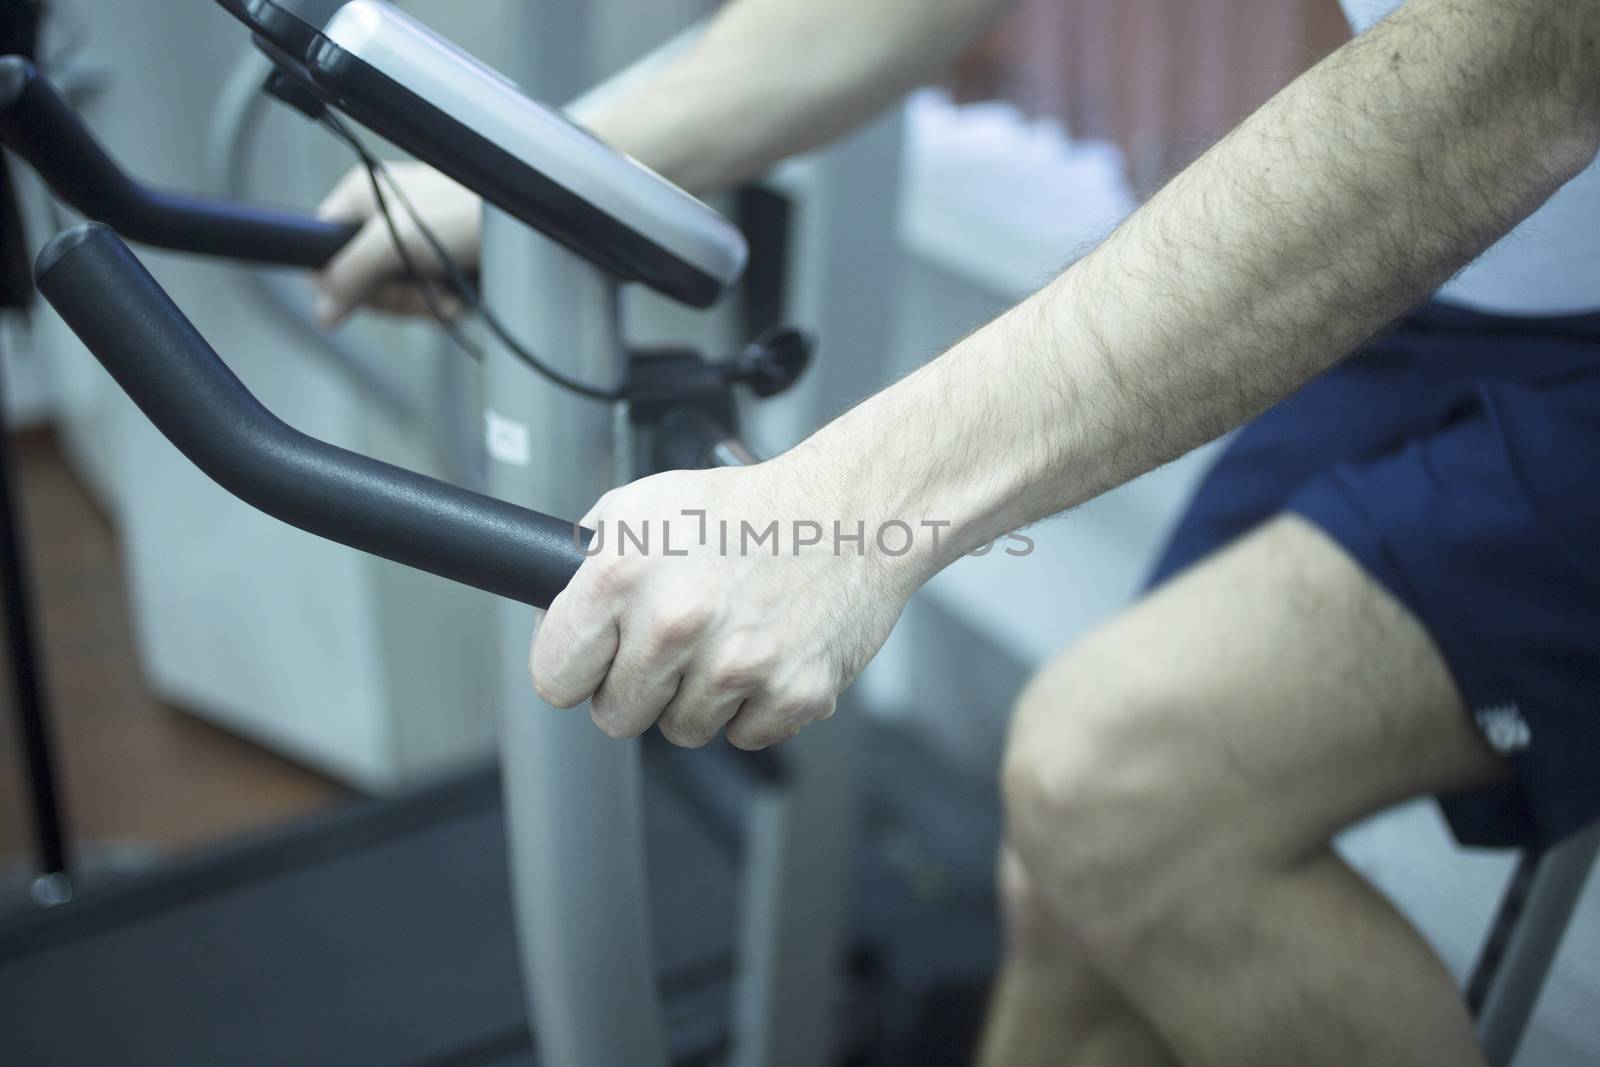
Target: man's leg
(1050, 1009)
(1171, 788)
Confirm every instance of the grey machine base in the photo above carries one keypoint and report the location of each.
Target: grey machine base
(381, 934)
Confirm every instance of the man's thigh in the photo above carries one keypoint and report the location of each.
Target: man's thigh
(1245, 711)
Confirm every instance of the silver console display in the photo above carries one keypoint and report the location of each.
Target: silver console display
(399, 78)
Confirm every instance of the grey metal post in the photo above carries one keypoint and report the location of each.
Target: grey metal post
(794, 902)
(573, 805)
(1540, 902)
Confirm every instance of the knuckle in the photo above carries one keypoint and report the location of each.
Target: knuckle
(611, 724)
(803, 703)
(544, 669)
(745, 658)
(610, 576)
(737, 674)
(785, 710)
(750, 739)
(771, 729)
(791, 715)
(685, 734)
(680, 623)
(820, 700)
(557, 696)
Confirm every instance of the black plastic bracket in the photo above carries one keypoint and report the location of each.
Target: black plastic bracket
(287, 84)
(683, 404)
(661, 380)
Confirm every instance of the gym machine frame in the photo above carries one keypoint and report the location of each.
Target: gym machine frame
(576, 854)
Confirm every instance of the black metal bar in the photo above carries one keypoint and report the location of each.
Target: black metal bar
(160, 360)
(27, 679)
(38, 125)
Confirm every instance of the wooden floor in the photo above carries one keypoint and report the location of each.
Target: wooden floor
(133, 769)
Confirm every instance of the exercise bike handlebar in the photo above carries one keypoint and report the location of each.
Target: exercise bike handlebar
(37, 124)
(160, 360)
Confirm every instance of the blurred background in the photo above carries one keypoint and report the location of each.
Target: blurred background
(213, 674)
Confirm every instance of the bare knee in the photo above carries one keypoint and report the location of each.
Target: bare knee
(1035, 929)
(1094, 800)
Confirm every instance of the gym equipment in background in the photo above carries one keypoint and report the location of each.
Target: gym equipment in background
(160, 360)
(392, 74)
(41, 128)
(20, 21)
(642, 229)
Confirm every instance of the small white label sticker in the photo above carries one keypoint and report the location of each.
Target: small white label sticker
(1505, 727)
(507, 440)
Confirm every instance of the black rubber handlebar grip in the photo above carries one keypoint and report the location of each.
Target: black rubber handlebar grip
(160, 360)
(38, 125)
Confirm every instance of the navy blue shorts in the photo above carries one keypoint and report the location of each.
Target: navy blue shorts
(1457, 459)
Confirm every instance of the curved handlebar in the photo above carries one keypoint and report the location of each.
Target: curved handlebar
(37, 124)
(160, 360)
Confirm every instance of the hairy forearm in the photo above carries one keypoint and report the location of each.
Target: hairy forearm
(770, 78)
(1343, 201)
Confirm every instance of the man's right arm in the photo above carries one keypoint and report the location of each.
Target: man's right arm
(767, 79)
(1347, 198)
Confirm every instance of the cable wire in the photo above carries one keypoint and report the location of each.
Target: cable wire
(460, 286)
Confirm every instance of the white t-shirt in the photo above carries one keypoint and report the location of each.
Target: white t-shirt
(1550, 265)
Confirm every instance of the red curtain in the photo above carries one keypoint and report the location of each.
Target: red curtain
(1160, 78)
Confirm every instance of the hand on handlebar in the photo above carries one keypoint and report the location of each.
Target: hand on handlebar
(368, 271)
(696, 637)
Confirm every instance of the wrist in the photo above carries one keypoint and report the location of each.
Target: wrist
(830, 494)
(891, 495)
(965, 451)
